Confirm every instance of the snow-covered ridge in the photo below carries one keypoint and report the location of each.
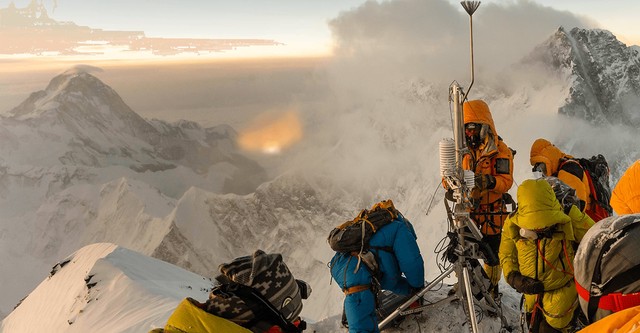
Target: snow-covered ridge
(105, 288)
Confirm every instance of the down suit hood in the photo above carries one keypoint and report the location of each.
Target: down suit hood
(625, 198)
(543, 151)
(477, 111)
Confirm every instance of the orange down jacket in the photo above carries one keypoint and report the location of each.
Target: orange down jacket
(625, 198)
(562, 166)
(483, 160)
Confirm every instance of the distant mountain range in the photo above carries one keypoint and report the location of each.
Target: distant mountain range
(87, 124)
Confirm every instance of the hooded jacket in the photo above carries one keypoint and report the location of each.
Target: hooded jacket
(548, 258)
(188, 317)
(626, 321)
(625, 198)
(492, 157)
(563, 166)
(402, 270)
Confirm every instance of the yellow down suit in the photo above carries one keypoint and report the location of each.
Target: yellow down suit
(549, 257)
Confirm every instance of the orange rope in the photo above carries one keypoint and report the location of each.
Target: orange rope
(549, 263)
(536, 306)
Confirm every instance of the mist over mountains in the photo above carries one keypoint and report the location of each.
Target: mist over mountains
(79, 167)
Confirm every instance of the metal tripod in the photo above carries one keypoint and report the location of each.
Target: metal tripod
(466, 251)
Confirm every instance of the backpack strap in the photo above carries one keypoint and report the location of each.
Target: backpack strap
(597, 289)
(611, 302)
(573, 167)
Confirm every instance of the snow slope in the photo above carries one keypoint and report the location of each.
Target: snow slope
(105, 288)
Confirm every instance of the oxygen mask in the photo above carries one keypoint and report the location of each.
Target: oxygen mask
(472, 134)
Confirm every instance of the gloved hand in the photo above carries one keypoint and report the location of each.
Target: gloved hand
(484, 182)
(525, 284)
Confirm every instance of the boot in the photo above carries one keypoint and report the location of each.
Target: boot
(453, 290)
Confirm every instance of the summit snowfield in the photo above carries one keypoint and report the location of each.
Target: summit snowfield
(79, 167)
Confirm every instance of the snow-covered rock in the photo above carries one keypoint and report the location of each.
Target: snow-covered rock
(604, 74)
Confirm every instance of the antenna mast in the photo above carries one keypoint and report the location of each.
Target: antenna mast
(470, 7)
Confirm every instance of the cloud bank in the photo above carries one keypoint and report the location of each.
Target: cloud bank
(394, 61)
(431, 38)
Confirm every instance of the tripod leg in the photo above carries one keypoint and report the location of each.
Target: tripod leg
(471, 313)
(491, 304)
(415, 297)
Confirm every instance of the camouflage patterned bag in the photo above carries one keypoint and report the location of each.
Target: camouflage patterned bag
(247, 282)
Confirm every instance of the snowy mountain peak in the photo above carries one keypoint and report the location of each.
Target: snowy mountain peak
(78, 97)
(88, 124)
(604, 74)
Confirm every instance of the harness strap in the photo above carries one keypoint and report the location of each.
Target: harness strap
(611, 302)
(484, 214)
(549, 263)
(534, 313)
(595, 290)
(573, 306)
(356, 289)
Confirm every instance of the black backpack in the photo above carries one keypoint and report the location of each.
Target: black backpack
(597, 170)
(354, 235)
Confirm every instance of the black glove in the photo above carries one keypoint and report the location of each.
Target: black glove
(525, 284)
(485, 182)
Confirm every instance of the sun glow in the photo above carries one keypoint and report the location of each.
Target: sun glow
(271, 134)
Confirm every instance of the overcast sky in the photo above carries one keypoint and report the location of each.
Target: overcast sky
(300, 24)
